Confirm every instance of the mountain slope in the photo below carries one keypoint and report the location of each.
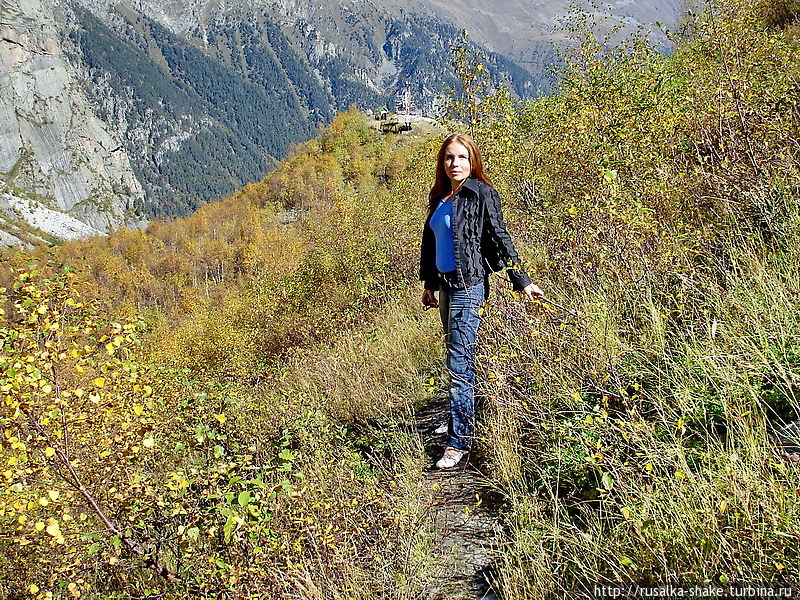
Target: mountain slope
(196, 129)
(187, 101)
(208, 95)
(526, 31)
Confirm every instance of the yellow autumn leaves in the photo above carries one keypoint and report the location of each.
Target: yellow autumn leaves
(51, 528)
(71, 383)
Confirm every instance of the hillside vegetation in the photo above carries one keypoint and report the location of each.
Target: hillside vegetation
(217, 405)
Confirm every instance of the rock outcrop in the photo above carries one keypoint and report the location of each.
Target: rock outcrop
(56, 157)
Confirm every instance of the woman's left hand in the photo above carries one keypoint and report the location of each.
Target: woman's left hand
(533, 291)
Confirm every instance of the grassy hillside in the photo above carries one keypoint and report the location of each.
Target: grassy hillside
(635, 439)
(173, 375)
(217, 404)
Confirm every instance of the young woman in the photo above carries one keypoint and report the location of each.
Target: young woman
(464, 240)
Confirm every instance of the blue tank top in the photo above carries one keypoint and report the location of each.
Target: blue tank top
(441, 223)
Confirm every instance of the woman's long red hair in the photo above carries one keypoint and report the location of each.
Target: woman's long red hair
(441, 186)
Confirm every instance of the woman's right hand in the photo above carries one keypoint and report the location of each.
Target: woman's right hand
(429, 299)
(533, 292)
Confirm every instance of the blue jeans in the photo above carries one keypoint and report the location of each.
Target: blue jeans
(459, 311)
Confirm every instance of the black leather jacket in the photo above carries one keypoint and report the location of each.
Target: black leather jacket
(482, 244)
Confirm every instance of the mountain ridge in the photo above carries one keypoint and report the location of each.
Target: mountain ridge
(196, 98)
(302, 62)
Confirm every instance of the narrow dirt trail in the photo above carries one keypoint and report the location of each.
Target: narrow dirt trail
(464, 517)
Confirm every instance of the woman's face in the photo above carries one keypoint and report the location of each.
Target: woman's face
(456, 163)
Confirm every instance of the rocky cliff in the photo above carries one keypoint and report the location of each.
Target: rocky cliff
(63, 174)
